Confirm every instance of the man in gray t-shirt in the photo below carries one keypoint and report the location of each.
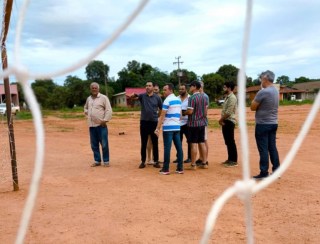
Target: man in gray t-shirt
(266, 105)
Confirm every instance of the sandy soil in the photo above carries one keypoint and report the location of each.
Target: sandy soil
(124, 204)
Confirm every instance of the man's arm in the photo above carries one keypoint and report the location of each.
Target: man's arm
(134, 96)
(254, 105)
(160, 121)
(189, 111)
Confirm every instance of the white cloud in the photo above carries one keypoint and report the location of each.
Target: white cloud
(206, 34)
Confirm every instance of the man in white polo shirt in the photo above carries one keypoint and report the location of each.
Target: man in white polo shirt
(170, 122)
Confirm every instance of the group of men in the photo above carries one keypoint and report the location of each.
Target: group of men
(186, 115)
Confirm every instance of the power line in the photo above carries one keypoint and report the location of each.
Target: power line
(179, 73)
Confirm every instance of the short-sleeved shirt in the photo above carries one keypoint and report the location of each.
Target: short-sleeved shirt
(150, 105)
(267, 112)
(208, 102)
(184, 106)
(198, 103)
(172, 105)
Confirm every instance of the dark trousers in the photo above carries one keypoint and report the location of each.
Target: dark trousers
(147, 128)
(228, 135)
(184, 130)
(266, 142)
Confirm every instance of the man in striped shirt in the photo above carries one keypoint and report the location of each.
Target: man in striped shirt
(170, 122)
(197, 111)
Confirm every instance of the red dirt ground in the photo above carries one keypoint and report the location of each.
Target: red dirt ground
(124, 204)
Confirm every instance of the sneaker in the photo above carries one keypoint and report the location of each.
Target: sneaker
(192, 167)
(230, 164)
(179, 171)
(204, 165)
(187, 161)
(150, 162)
(175, 161)
(106, 164)
(142, 165)
(224, 162)
(279, 177)
(162, 172)
(261, 176)
(156, 165)
(95, 164)
(198, 162)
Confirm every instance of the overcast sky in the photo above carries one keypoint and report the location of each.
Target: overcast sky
(205, 33)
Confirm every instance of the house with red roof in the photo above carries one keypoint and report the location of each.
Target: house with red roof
(285, 93)
(122, 99)
(14, 94)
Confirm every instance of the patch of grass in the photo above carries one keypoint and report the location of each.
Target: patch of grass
(123, 115)
(24, 115)
(70, 116)
(214, 105)
(125, 109)
(214, 124)
(286, 102)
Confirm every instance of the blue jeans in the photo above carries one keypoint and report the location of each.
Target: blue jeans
(168, 137)
(99, 135)
(266, 142)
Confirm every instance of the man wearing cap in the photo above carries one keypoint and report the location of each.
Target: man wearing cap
(200, 161)
(197, 111)
(266, 105)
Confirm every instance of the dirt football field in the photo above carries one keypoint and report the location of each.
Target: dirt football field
(124, 204)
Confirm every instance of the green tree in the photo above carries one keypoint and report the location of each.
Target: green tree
(228, 72)
(249, 82)
(136, 75)
(77, 91)
(283, 80)
(157, 76)
(187, 77)
(57, 99)
(213, 85)
(43, 89)
(301, 79)
(97, 71)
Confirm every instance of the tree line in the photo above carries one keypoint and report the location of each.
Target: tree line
(75, 91)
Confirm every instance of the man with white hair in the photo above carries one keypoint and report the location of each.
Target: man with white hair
(98, 111)
(266, 105)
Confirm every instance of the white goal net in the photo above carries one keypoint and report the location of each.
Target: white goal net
(242, 189)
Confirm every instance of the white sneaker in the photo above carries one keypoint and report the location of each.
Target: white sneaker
(151, 162)
(106, 164)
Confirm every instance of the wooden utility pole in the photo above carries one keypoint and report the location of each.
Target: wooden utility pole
(179, 73)
(4, 32)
